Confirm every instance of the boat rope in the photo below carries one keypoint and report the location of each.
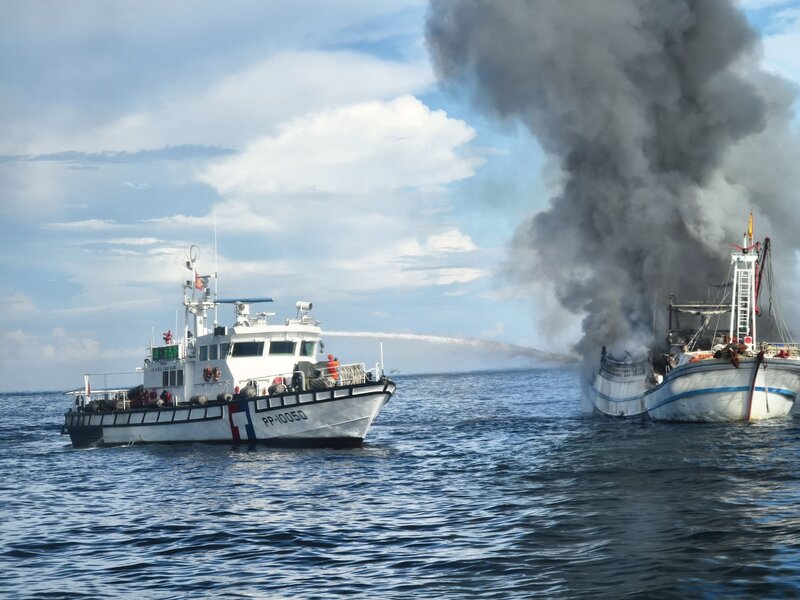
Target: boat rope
(721, 297)
(784, 334)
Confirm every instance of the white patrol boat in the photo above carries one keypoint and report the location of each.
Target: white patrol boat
(253, 382)
(718, 371)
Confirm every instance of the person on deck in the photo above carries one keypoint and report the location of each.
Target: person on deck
(333, 369)
(684, 356)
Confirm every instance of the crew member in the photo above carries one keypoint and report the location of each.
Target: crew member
(333, 368)
(684, 356)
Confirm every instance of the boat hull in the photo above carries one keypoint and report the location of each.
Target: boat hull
(706, 391)
(335, 417)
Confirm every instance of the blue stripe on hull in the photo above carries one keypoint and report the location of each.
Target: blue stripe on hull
(251, 432)
(743, 388)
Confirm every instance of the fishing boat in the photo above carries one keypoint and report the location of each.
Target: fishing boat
(255, 381)
(716, 370)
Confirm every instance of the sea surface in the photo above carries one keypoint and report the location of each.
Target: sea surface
(487, 485)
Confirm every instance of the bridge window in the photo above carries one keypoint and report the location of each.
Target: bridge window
(276, 347)
(307, 348)
(241, 349)
(213, 352)
(203, 352)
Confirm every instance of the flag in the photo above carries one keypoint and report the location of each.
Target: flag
(750, 226)
(200, 281)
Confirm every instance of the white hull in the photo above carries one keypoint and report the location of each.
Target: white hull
(706, 391)
(334, 416)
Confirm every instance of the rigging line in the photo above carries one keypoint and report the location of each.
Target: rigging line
(783, 331)
(721, 297)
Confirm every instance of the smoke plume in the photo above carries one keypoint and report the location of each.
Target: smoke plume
(667, 132)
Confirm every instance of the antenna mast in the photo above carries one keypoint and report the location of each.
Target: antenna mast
(216, 270)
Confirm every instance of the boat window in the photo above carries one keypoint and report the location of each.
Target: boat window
(276, 347)
(172, 378)
(307, 348)
(203, 352)
(248, 349)
(223, 350)
(212, 352)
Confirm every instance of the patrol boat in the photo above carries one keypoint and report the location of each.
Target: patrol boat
(719, 373)
(253, 382)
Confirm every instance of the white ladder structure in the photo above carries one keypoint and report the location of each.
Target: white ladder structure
(743, 322)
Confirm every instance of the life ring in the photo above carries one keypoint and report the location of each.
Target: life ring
(207, 373)
(217, 373)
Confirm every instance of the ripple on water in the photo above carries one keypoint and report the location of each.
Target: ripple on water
(488, 485)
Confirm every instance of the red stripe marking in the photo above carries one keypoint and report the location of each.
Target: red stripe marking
(233, 408)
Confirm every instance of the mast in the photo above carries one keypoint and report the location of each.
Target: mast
(195, 306)
(743, 296)
(216, 269)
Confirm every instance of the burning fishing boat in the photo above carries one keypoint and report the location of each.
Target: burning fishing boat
(717, 371)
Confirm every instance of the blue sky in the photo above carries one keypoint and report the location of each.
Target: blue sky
(314, 131)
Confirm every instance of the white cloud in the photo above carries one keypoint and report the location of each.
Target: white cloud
(357, 149)
(107, 308)
(17, 305)
(131, 241)
(59, 346)
(86, 225)
(137, 186)
(231, 215)
(67, 355)
(451, 275)
(359, 187)
(451, 241)
(242, 106)
(31, 188)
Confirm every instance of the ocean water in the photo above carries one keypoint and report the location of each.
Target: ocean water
(481, 485)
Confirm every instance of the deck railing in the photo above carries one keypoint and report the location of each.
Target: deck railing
(617, 368)
(350, 374)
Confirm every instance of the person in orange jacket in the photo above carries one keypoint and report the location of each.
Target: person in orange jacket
(333, 368)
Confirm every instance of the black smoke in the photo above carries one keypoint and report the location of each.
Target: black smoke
(651, 108)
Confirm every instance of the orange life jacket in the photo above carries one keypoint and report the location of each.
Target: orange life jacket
(333, 369)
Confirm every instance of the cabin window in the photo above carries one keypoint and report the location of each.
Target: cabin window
(248, 349)
(212, 352)
(172, 378)
(203, 352)
(307, 348)
(223, 350)
(281, 347)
